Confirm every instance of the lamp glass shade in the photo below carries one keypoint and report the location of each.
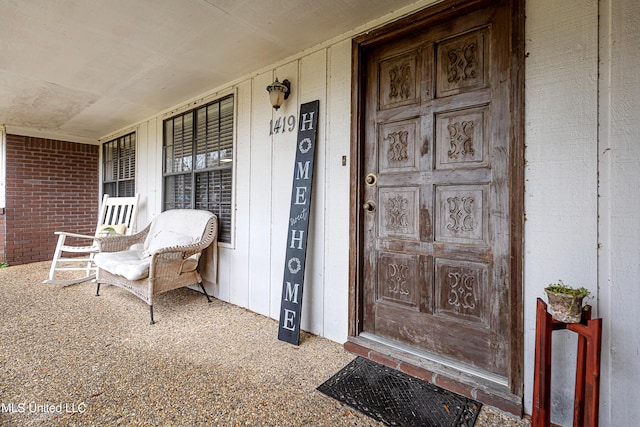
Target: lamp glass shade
(278, 92)
(277, 98)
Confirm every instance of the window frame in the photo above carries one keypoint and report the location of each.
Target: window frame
(193, 109)
(119, 141)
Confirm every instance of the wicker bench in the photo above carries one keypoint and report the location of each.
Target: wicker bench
(162, 257)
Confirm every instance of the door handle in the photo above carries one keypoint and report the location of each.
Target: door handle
(369, 206)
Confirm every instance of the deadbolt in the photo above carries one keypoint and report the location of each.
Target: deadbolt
(369, 206)
(371, 179)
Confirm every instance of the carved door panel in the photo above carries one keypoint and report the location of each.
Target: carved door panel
(435, 185)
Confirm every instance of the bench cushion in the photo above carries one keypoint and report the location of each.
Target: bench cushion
(132, 264)
(179, 227)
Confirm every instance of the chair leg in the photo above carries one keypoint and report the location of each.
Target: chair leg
(151, 313)
(98, 290)
(56, 256)
(205, 292)
(90, 266)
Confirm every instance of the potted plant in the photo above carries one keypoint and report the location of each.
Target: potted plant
(565, 302)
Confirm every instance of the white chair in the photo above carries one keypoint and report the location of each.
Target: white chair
(117, 216)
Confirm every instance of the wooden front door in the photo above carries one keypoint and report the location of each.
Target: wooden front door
(435, 188)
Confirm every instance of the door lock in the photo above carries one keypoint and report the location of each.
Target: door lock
(369, 206)
(371, 179)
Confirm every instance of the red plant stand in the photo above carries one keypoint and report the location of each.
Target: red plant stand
(587, 389)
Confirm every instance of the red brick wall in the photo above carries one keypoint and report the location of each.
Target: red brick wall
(51, 186)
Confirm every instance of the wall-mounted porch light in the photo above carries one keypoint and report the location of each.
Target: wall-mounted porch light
(278, 92)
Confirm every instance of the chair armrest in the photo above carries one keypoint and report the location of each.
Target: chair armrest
(82, 236)
(122, 242)
(166, 263)
(182, 251)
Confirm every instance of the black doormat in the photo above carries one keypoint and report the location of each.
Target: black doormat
(398, 399)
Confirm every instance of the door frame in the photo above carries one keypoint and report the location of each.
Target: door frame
(507, 397)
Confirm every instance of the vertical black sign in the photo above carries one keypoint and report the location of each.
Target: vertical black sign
(293, 281)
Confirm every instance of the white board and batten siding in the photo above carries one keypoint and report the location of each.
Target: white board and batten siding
(582, 195)
(582, 187)
(561, 172)
(250, 269)
(336, 229)
(619, 210)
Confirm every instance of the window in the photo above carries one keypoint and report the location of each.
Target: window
(119, 166)
(198, 162)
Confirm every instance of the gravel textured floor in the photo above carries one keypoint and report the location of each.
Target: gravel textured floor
(69, 358)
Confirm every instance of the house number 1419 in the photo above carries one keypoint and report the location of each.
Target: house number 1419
(282, 125)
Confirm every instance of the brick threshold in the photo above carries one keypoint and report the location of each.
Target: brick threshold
(496, 397)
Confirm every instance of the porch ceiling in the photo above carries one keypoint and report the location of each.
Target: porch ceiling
(86, 68)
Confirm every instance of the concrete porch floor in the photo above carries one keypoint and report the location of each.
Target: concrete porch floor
(69, 358)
